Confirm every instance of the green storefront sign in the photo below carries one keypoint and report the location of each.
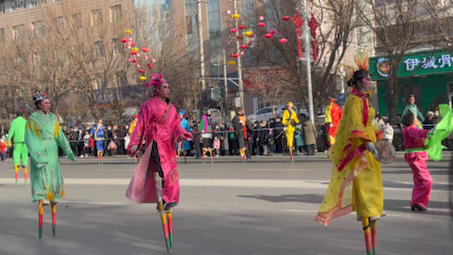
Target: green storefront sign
(416, 64)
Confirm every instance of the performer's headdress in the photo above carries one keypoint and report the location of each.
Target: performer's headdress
(181, 112)
(39, 97)
(20, 112)
(156, 80)
(135, 116)
(290, 104)
(361, 59)
(332, 99)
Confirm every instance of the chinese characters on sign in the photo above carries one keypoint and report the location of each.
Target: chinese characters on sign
(443, 61)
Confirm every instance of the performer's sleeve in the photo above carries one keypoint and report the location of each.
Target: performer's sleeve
(92, 131)
(404, 113)
(433, 143)
(285, 118)
(415, 133)
(12, 131)
(296, 119)
(420, 116)
(34, 145)
(63, 142)
(353, 126)
(179, 132)
(131, 128)
(328, 117)
(138, 135)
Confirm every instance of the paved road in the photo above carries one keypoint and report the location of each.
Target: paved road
(266, 206)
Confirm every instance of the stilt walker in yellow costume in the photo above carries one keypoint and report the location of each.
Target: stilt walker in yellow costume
(17, 136)
(290, 120)
(356, 183)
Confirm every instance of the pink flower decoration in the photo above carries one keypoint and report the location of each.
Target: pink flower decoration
(261, 17)
(283, 40)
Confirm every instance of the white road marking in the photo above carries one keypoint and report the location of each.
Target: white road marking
(86, 202)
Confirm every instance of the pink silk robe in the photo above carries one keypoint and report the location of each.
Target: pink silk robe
(158, 122)
(415, 138)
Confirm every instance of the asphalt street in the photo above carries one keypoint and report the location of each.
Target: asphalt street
(266, 206)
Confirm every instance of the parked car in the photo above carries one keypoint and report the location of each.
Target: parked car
(264, 114)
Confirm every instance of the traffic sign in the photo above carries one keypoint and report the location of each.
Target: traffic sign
(341, 99)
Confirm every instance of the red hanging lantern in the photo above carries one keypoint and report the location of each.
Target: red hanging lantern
(285, 18)
(124, 40)
(150, 66)
(133, 44)
(283, 40)
(272, 32)
(239, 37)
(134, 60)
(145, 49)
(233, 30)
(244, 46)
(261, 24)
(242, 27)
(133, 53)
(268, 36)
(234, 55)
(141, 71)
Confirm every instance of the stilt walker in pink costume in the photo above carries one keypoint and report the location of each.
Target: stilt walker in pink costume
(420, 146)
(156, 177)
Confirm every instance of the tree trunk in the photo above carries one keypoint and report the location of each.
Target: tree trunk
(391, 97)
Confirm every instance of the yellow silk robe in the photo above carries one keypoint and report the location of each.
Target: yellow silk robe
(358, 184)
(289, 132)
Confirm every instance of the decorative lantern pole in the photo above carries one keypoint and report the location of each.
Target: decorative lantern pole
(241, 84)
(307, 58)
(313, 25)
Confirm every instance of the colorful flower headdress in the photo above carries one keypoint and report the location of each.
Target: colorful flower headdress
(361, 59)
(39, 97)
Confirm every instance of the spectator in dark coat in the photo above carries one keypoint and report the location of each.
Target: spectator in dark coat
(309, 135)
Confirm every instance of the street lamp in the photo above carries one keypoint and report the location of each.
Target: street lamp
(200, 41)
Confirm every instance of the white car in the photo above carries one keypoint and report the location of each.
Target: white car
(264, 114)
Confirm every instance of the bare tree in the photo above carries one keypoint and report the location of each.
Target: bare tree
(336, 24)
(400, 27)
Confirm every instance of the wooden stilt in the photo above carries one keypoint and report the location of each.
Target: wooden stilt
(54, 217)
(366, 231)
(40, 217)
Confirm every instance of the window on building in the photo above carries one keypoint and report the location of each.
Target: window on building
(60, 23)
(120, 80)
(39, 28)
(96, 17)
(33, 3)
(77, 20)
(117, 47)
(115, 13)
(38, 58)
(98, 49)
(18, 32)
(41, 2)
(17, 5)
(2, 7)
(99, 82)
(2, 34)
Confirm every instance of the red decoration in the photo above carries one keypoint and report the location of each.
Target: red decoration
(150, 66)
(244, 46)
(283, 40)
(145, 49)
(298, 21)
(242, 27)
(261, 24)
(141, 71)
(124, 40)
(285, 18)
(133, 44)
(272, 32)
(239, 37)
(233, 30)
(234, 55)
(268, 36)
(133, 53)
(134, 60)
(313, 24)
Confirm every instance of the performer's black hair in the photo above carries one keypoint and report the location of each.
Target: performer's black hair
(358, 76)
(408, 119)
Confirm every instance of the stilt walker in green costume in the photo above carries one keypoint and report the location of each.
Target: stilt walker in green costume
(43, 136)
(16, 135)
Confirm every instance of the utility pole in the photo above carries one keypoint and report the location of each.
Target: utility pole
(225, 83)
(200, 41)
(241, 84)
(307, 58)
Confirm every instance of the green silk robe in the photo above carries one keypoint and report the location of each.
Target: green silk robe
(43, 135)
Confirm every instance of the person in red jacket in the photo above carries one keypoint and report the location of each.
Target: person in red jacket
(332, 120)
